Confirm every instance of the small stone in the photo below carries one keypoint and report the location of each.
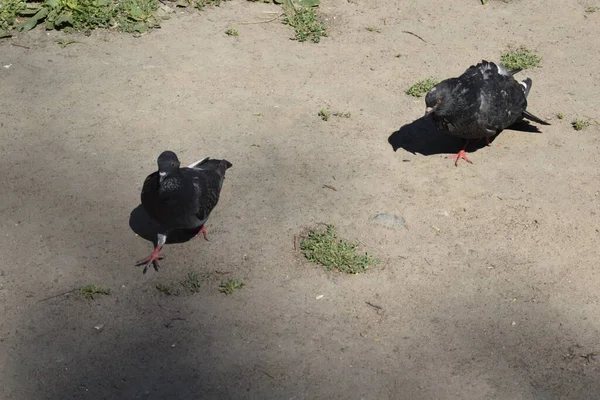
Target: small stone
(99, 327)
(389, 220)
(319, 297)
(513, 323)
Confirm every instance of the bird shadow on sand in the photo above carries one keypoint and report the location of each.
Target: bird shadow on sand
(141, 223)
(421, 136)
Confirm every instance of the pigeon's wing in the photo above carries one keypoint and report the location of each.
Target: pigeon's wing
(503, 102)
(461, 119)
(207, 178)
(150, 189)
(150, 196)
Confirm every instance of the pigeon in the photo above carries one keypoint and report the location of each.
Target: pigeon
(479, 104)
(181, 198)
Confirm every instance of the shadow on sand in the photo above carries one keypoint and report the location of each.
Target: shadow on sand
(421, 136)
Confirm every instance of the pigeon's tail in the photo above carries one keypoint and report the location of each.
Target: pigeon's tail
(513, 72)
(531, 117)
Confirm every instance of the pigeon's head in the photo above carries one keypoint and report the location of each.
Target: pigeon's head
(167, 163)
(438, 97)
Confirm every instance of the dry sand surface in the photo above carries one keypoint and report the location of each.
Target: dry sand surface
(490, 291)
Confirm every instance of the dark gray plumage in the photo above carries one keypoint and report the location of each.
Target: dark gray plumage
(480, 103)
(181, 198)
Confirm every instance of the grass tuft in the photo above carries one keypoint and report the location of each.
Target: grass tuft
(192, 282)
(521, 58)
(560, 116)
(230, 286)
(421, 87)
(580, 124)
(324, 113)
(342, 114)
(168, 289)
(306, 23)
(327, 249)
(232, 32)
(91, 290)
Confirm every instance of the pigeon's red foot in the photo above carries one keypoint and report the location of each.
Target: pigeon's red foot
(152, 259)
(203, 231)
(461, 155)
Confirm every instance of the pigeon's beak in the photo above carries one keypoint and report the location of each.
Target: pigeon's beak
(429, 110)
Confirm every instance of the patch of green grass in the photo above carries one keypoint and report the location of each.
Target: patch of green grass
(232, 32)
(192, 282)
(591, 10)
(327, 249)
(521, 58)
(91, 290)
(134, 16)
(230, 286)
(168, 289)
(324, 114)
(306, 23)
(580, 124)
(421, 87)
(9, 10)
(373, 29)
(560, 116)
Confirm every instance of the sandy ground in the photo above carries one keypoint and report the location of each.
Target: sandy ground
(491, 291)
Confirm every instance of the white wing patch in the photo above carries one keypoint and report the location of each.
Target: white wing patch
(524, 84)
(196, 163)
(502, 70)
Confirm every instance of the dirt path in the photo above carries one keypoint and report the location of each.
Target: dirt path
(490, 292)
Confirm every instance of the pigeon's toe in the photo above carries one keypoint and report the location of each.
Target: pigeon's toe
(203, 232)
(152, 259)
(461, 155)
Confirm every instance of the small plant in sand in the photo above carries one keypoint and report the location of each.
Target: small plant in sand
(230, 286)
(421, 87)
(304, 19)
(560, 116)
(324, 113)
(232, 32)
(342, 114)
(192, 282)
(168, 289)
(580, 124)
(371, 28)
(520, 58)
(91, 290)
(327, 249)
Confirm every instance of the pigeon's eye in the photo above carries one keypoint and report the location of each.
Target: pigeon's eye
(438, 101)
(172, 164)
